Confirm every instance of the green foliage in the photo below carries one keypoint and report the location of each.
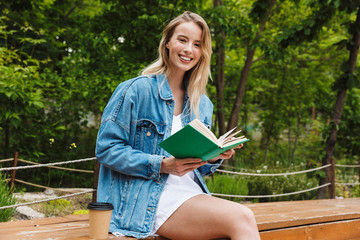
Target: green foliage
(53, 207)
(6, 199)
(347, 176)
(60, 61)
(227, 184)
(249, 159)
(259, 10)
(310, 26)
(350, 125)
(79, 212)
(21, 95)
(282, 185)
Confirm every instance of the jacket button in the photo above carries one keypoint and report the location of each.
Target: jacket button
(148, 134)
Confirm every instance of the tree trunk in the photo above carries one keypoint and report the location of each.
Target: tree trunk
(240, 91)
(339, 106)
(7, 140)
(297, 134)
(220, 75)
(266, 149)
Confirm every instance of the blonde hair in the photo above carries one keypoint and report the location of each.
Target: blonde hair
(197, 76)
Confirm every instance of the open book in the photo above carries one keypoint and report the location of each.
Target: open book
(197, 141)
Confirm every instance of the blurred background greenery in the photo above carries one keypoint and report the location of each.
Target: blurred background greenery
(278, 70)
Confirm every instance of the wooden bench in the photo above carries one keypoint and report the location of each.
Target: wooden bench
(329, 219)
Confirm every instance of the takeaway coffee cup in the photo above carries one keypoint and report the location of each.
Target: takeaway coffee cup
(99, 219)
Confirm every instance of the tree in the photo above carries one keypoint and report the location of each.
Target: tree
(20, 90)
(261, 12)
(220, 72)
(348, 80)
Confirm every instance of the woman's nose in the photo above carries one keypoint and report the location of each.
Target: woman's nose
(188, 48)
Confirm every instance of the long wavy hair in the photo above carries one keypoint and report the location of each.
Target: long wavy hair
(197, 77)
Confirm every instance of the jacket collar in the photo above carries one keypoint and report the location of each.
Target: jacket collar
(164, 89)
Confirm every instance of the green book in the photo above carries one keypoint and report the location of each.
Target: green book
(197, 141)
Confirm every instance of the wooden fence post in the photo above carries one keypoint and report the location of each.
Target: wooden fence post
(13, 173)
(96, 178)
(332, 179)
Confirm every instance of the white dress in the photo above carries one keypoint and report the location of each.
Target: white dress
(176, 191)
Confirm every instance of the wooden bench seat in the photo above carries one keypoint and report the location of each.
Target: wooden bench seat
(329, 219)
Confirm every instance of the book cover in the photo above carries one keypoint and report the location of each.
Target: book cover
(189, 142)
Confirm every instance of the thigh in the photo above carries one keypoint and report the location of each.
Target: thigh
(203, 217)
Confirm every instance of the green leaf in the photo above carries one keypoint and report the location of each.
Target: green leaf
(61, 127)
(38, 104)
(8, 94)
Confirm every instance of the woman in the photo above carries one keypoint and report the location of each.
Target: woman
(153, 192)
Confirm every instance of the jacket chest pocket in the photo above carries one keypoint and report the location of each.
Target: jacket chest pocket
(148, 135)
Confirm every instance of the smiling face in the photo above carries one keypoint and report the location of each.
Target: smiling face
(185, 47)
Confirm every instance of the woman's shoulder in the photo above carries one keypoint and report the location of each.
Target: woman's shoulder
(134, 85)
(131, 90)
(205, 100)
(139, 81)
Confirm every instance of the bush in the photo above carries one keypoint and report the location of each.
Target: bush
(6, 199)
(227, 184)
(81, 211)
(55, 207)
(280, 185)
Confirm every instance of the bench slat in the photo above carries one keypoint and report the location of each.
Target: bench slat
(342, 230)
(275, 215)
(333, 218)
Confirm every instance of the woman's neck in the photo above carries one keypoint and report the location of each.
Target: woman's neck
(175, 80)
(176, 84)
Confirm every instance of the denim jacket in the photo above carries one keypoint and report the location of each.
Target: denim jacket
(136, 119)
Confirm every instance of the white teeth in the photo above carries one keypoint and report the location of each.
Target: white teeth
(185, 58)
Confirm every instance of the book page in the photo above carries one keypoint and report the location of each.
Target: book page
(234, 141)
(225, 136)
(198, 125)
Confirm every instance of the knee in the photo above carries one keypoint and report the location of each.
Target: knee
(247, 214)
(244, 217)
(242, 224)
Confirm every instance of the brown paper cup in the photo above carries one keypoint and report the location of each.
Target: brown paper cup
(99, 219)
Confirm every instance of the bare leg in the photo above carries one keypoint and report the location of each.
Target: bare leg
(206, 217)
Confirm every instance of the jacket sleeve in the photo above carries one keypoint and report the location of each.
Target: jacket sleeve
(113, 146)
(210, 168)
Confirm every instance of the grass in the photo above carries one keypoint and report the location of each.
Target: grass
(6, 199)
(61, 207)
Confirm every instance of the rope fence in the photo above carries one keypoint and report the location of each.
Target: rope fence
(226, 166)
(40, 186)
(54, 165)
(273, 174)
(6, 160)
(47, 200)
(61, 168)
(273, 195)
(47, 164)
(348, 184)
(350, 166)
(33, 184)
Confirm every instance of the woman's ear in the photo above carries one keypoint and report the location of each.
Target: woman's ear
(167, 45)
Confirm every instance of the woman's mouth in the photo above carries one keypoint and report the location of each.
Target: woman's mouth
(185, 59)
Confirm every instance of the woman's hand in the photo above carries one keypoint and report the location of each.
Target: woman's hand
(180, 167)
(226, 155)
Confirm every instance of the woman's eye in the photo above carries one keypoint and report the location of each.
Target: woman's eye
(197, 45)
(182, 40)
